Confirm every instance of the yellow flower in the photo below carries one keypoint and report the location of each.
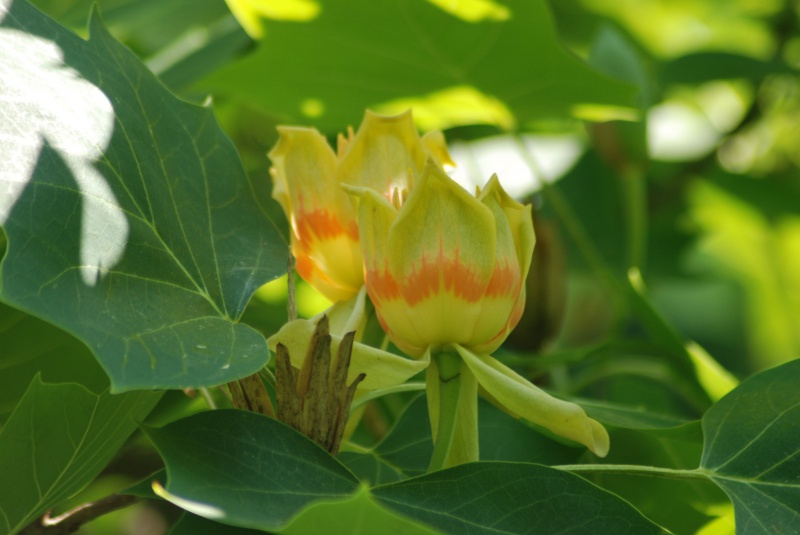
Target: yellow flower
(446, 272)
(385, 154)
(447, 267)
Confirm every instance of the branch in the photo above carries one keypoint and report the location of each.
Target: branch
(70, 521)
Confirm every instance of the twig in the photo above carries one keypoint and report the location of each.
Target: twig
(70, 521)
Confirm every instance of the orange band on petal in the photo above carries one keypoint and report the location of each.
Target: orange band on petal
(505, 280)
(322, 225)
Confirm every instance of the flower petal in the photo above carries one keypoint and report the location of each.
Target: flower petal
(321, 215)
(382, 153)
(376, 216)
(525, 400)
(441, 255)
(382, 369)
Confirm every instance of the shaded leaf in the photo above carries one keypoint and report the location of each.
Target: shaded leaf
(245, 469)
(627, 417)
(752, 450)
(408, 446)
(706, 66)
(369, 468)
(29, 346)
(129, 218)
(512, 498)
(57, 441)
(360, 514)
(356, 54)
(190, 524)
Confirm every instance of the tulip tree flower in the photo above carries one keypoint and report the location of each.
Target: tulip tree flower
(446, 272)
(385, 155)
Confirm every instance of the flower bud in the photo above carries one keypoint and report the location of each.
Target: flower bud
(446, 267)
(384, 154)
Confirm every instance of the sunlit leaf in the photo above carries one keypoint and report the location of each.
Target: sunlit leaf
(129, 218)
(355, 54)
(752, 450)
(57, 441)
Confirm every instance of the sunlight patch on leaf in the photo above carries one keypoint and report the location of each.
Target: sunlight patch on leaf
(455, 105)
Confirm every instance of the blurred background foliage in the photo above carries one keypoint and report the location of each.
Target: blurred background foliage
(679, 168)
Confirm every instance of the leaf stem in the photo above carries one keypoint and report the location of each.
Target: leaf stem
(634, 470)
(449, 368)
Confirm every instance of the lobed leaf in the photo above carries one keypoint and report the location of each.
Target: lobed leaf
(130, 220)
(512, 498)
(397, 54)
(57, 441)
(245, 469)
(752, 450)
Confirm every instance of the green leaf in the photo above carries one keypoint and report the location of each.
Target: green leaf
(408, 446)
(246, 470)
(30, 346)
(190, 524)
(396, 54)
(627, 417)
(369, 468)
(360, 514)
(706, 66)
(57, 441)
(512, 498)
(129, 218)
(752, 450)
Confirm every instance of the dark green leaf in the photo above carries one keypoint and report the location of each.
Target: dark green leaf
(627, 417)
(247, 470)
(29, 346)
(752, 450)
(190, 524)
(57, 441)
(369, 468)
(512, 498)
(129, 218)
(707, 66)
(356, 54)
(408, 446)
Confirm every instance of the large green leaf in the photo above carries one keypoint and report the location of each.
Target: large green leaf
(356, 54)
(29, 346)
(247, 470)
(56, 442)
(512, 498)
(130, 220)
(752, 450)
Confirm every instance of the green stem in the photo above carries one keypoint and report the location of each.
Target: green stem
(634, 470)
(449, 368)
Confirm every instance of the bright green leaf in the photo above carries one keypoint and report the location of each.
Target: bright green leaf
(129, 218)
(360, 514)
(752, 450)
(512, 498)
(388, 55)
(57, 441)
(246, 470)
